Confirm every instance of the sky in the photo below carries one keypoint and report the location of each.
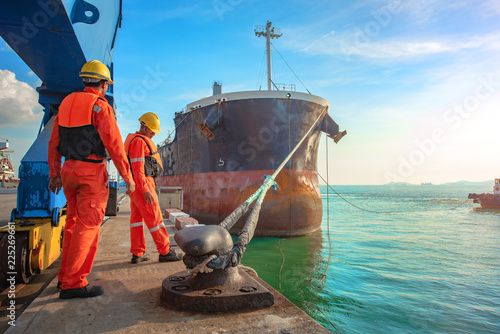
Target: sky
(416, 84)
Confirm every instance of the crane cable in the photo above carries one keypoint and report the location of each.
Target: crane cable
(388, 212)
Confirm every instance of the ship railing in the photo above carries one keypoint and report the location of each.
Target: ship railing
(286, 87)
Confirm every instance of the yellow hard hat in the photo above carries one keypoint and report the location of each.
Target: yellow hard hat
(152, 121)
(96, 69)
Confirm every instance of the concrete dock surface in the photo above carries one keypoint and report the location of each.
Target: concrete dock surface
(131, 301)
(8, 201)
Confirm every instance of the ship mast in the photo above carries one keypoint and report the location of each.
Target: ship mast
(269, 33)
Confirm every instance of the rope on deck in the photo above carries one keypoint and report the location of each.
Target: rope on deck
(233, 257)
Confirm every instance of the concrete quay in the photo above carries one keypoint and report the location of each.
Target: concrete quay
(131, 301)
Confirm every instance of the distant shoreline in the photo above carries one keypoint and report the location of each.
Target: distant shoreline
(402, 184)
(459, 183)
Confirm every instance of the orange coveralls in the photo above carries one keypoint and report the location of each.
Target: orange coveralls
(141, 212)
(85, 184)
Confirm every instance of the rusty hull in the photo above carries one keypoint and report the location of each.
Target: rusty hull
(252, 137)
(294, 209)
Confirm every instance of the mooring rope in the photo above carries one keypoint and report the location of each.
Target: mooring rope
(296, 299)
(321, 282)
(388, 212)
(233, 257)
(269, 180)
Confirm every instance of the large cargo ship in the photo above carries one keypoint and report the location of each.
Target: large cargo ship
(225, 144)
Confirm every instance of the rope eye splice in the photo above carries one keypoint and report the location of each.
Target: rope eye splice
(233, 257)
(274, 184)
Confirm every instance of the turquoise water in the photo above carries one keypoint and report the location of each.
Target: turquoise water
(422, 268)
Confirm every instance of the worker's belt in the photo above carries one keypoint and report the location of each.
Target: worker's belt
(87, 160)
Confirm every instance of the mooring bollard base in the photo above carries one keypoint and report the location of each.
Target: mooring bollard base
(229, 290)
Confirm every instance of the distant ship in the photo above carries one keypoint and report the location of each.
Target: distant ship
(426, 184)
(225, 144)
(489, 200)
(7, 175)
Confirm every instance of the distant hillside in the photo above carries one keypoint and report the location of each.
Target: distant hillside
(459, 183)
(469, 183)
(399, 184)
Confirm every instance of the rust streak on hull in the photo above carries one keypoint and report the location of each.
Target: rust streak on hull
(294, 209)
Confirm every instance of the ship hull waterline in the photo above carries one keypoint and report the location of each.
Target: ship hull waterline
(489, 201)
(294, 209)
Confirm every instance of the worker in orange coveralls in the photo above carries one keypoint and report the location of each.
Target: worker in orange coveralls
(84, 128)
(146, 165)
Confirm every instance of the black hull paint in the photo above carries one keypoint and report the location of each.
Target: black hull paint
(252, 137)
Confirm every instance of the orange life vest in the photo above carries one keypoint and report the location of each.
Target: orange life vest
(152, 163)
(78, 138)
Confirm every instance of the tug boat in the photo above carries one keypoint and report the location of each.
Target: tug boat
(488, 200)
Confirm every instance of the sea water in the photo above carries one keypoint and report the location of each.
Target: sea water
(395, 259)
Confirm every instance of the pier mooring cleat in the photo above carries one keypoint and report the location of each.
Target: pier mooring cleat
(170, 257)
(137, 259)
(85, 292)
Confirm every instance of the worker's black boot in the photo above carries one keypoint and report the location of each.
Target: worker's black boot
(170, 257)
(85, 292)
(137, 259)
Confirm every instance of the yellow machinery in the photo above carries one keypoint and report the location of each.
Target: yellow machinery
(29, 247)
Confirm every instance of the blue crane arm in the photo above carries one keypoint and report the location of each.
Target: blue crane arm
(55, 44)
(41, 33)
(55, 38)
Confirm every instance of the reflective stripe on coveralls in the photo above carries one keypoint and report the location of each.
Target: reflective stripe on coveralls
(157, 227)
(141, 211)
(152, 160)
(86, 191)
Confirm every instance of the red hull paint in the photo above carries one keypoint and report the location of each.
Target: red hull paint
(292, 210)
(489, 201)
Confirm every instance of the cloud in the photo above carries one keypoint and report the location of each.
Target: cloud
(401, 30)
(359, 43)
(18, 101)
(5, 47)
(491, 8)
